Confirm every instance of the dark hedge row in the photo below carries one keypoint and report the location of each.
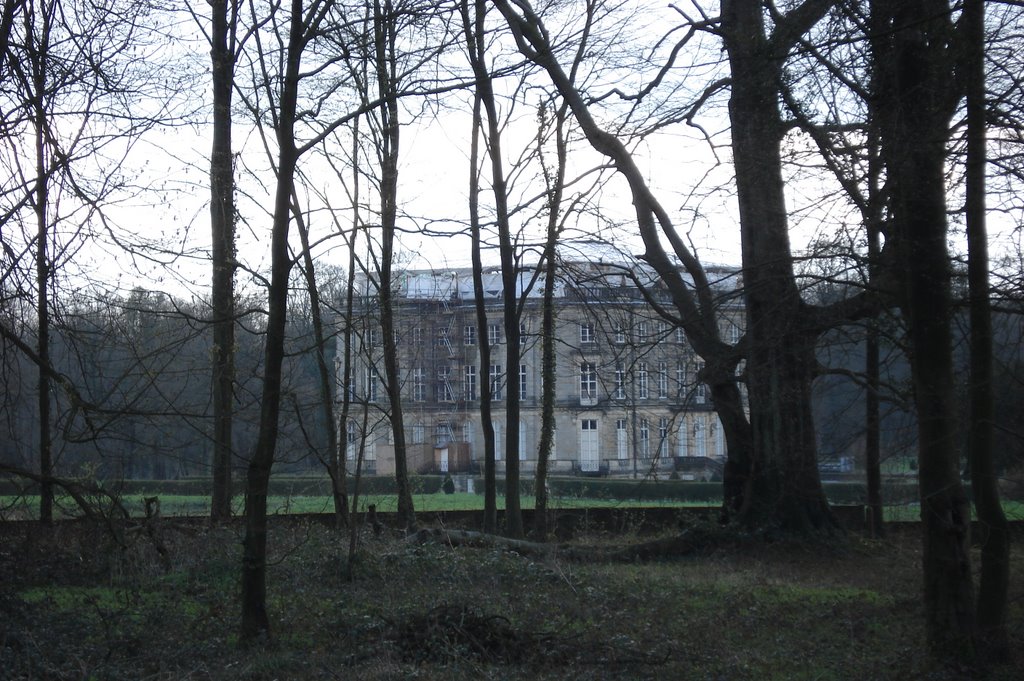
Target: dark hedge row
(589, 488)
(313, 486)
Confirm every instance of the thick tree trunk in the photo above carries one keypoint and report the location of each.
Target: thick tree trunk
(784, 489)
(728, 403)
(995, 537)
(222, 224)
(914, 105)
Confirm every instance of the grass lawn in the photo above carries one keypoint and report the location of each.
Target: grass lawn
(174, 505)
(180, 505)
(73, 606)
(199, 506)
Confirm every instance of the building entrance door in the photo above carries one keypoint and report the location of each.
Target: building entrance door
(589, 455)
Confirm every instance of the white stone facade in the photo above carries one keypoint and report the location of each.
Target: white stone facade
(627, 398)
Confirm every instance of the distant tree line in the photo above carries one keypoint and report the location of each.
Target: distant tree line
(139, 364)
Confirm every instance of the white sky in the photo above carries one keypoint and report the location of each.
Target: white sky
(692, 182)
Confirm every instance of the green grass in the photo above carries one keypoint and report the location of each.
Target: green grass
(189, 505)
(192, 505)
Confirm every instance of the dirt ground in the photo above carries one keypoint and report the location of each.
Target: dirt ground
(76, 604)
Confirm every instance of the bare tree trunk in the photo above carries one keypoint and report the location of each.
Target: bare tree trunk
(323, 373)
(222, 224)
(872, 432)
(872, 363)
(40, 33)
(547, 424)
(356, 525)
(995, 537)
(547, 417)
(338, 470)
(913, 72)
(509, 278)
(255, 622)
(384, 36)
(339, 483)
(474, 42)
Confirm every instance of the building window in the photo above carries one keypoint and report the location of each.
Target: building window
(442, 337)
(620, 334)
(718, 436)
(700, 445)
(680, 335)
(442, 433)
(621, 441)
(522, 330)
(467, 432)
(493, 334)
(418, 433)
(680, 379)
(662, 436)
(523, 385)
(445, 393)
(417, 335)
(372, 381)
(352, 434)
(645, 438)
(641, 332)
(700, 390)
(590, 459)
(495, 383)
(419, 388)
(587, 333)
(588, 382)
(662, 380)
(641, 381)
(522, 441)
(374, 337)
(469, 382)
(682, 439)
(469, 334)
(620, 381)
(496, 425)
(730, 332)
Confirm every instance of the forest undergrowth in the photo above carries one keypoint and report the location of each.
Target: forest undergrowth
(75, 604)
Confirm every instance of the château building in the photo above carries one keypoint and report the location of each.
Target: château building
(627, 399)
